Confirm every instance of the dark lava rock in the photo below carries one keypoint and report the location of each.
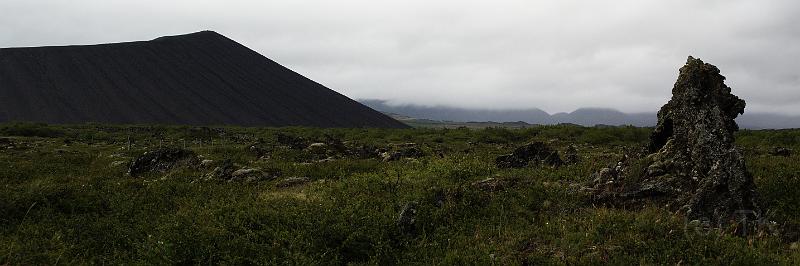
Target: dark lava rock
(297, 143)
(490, 184)
(228, 171)
(222, 172)
(5, 142)
(335, 145)
(329, 147)
(407, 218)
(254, 175)
(391, 156)
(206, 163)
(400, 151)
(292, 181)
(693, 162)
(363, 151)
(258, 149)
(536, 153)
(781, 151)
(161, 160)
(571, 155)
(318, 148)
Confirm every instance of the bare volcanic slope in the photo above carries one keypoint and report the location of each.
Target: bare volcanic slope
(201, 78)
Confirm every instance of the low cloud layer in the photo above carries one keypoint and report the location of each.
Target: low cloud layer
(555, 55)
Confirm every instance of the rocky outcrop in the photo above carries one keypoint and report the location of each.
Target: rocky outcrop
(228, 171)
(292, 142)
(400, 151)
(571, 155)
(5, 142)
(493, 184)
(223, 171)
(252, 175)
(781, 151)
(259, 149)
(692, 162)
(161, 160)
(407, 218)
(536, 153)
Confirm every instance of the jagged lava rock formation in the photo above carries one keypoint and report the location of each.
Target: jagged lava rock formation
(201, 78)
(692, 159)
(536, 153)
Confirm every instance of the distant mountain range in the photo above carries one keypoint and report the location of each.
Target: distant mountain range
(582, 116)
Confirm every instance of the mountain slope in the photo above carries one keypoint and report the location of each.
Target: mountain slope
(201, 78)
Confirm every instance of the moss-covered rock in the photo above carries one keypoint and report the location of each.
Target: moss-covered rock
(693, 162)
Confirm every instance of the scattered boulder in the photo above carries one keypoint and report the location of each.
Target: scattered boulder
(317, 148)
(400, 151)
(571, 155)
(331, 149)
(252, 175)
(335, 145)
(206, 163)
(536, 153)
(407, 218)
(326, 160)
(222, 172)
(490, 184)
(258, 149)
(605, 176)
(297, 143)
(781, 151)
(390, 156)
(162, 160)
(228, 171)
(292, 181)
(693, 163)
(5, 142)
(362, 151)
(326, 147)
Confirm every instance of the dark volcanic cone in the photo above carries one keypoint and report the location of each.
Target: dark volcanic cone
(201, 78)
(693, 162)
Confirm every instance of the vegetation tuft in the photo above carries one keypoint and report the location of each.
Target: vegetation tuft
(65, 198)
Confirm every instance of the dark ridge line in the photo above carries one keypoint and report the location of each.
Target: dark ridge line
(200, 78)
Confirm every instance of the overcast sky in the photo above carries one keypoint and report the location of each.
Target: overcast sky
(555, 55)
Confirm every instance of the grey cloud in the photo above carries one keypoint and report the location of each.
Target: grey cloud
(557, 55)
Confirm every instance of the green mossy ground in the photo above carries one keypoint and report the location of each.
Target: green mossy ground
(64, 200)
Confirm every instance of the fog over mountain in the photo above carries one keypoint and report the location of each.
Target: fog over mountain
(581, 116)
(557, 55)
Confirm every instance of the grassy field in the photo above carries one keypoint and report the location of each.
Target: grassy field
(65, 198)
